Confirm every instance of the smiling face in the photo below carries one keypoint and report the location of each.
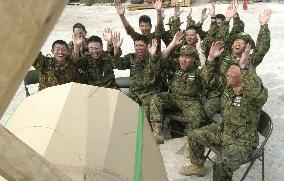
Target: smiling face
(186, 61)
(141, 49)
(60, 53)
(95, 49)
(190, 36)
(238, 47)
(145, 28)
(80, 32)
(233, 76)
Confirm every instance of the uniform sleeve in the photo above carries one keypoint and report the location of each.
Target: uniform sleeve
(238, 25)
(131, 32)
(121, 63)
(262, 46)
(209, 75)
(40, 62)
(254, 91)
(223, 31)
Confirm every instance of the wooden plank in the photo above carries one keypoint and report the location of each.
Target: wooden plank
(26, 27)
(19, 162)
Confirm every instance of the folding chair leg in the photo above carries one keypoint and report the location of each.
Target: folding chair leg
(207, 155)
(262, 161)
(247, 170)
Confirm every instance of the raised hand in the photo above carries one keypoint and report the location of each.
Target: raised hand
(77, 40)
(107, 35)
(116, 40)
(231, 12)
(215, 50)
(177, 11)
(153, 47)
(204, 15)
(236, 4)
(178, 38)
(212, 9)
(120, 9)
(158, 5)
(245, 55)
(265, 16)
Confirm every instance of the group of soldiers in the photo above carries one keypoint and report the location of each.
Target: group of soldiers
(202, 73)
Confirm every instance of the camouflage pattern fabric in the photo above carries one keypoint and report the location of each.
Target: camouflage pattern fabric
(53, 73)
(97, 72)
(145, 75)
(261, 48)
(237, 134)
(155, 35)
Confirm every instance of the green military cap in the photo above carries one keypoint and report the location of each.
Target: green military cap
(246, 37)
(188, 50)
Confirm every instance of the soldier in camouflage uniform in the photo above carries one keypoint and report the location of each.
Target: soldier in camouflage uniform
(55, 70)
(145, 24)
(96, 67)
(243, 96)
(145, 70)
(185, 86)
(79, 31)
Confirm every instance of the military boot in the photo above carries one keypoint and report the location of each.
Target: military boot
(189, 170)
(157, 132)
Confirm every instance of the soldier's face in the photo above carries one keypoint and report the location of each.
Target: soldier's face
(233, 75)
(219, 21)
(145, 28)
(239, 47)
(141, 49)
(80, 32)
(190, 37)
(95, 49)
(186, 61)
(60, 53)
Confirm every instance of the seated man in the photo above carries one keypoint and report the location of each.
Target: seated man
(185, 86)
(145, 70)
(55, 70)
(243, 96)
(96, 67)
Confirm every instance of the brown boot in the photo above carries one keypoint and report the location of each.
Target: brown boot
(157, 132)
(189, 170)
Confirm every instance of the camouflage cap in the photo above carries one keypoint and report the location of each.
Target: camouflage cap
(246, 37)
(188, 50)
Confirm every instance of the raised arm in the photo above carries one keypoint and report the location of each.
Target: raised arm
(120, 11)
(263, 39)
(176, 41)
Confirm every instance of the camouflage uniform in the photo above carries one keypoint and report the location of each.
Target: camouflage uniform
(155, 35)
(185, 90)
(145, 77)
(53, 73)
(97, 72)
(237, 134)
(211, 96)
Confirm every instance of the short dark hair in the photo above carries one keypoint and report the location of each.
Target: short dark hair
(142, 38)
(79, 25)
(61, 42)
(145, 19)
(192, 28)
(220, 16)
(95, 39)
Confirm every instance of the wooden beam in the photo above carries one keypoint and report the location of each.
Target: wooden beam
(21, 163)
(25, 26)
